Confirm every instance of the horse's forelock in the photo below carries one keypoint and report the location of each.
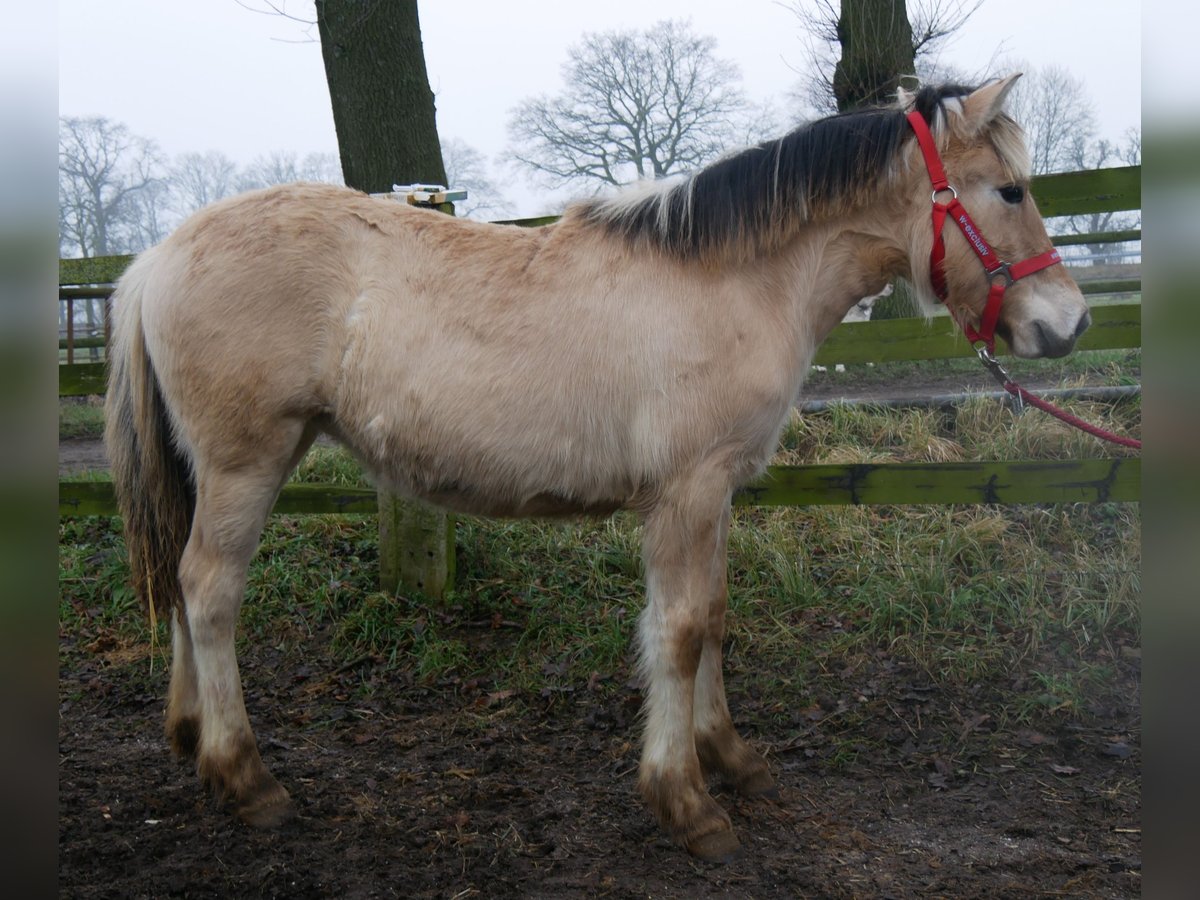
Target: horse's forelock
(942, 106)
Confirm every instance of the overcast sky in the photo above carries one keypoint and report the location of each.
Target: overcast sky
(198, 75)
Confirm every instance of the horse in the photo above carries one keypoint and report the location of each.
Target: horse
(642, 354)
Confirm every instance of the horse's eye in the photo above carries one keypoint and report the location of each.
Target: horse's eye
(1012, 193)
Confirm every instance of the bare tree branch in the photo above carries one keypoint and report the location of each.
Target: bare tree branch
(634, 105)
(103, 171)
(466, 168)
(1052, 106)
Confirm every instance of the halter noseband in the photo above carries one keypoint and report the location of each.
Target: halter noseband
(1000, 273)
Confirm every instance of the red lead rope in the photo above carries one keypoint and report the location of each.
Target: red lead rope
(1000, 273)
(1046, 406)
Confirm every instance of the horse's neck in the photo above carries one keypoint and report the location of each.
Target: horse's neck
(832, 269)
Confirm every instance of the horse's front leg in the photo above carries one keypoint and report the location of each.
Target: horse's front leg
(720, 748)
(683, 536)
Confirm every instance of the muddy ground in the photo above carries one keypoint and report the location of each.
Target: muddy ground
(455, 790)
(890, 786)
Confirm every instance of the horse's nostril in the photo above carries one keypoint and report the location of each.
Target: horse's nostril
(1052, 344)
(1084, 322)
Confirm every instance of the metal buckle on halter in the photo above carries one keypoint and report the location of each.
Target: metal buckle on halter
(999, 373)
(953, 194)
(1004, 270)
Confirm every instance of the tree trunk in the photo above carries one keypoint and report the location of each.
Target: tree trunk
(877, 49)
(383, 109)
(386, 125)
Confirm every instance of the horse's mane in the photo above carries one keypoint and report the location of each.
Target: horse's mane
(752, 199)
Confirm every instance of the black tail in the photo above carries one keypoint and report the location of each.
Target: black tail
(151, 477)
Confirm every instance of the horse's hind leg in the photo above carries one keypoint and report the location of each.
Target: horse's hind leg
(682, 538)
(720, 748)
(183, 699)
(206, 709)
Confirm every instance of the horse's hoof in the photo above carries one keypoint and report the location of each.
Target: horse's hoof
(267, 812)
(758, 784)
(716, 847)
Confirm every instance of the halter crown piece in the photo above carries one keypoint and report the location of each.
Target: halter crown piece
(1000, 273)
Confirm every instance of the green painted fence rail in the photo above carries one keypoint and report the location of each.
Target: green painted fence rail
(1114, 327)
(1027, 481)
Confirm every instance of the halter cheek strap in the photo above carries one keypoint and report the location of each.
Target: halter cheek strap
(1000, 273)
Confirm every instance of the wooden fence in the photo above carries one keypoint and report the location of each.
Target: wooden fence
(1115, 325)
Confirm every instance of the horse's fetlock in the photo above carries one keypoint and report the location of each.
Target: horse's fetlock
(238, 778)
(724, 753)
(183, 733)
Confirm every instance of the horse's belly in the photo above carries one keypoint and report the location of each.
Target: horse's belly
(532, 471)
(546, 504)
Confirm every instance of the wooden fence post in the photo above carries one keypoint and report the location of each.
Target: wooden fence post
(416, 540)
(416, 547)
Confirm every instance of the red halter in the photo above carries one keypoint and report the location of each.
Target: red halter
(1000, 273)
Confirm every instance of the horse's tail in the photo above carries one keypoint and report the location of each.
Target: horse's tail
(151, 476)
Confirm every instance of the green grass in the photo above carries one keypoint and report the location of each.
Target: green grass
(1110, 367)
(80, 418)
(1038, 596)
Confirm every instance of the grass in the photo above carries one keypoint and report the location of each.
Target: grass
(1038, 596)
(80, 418)
(1109, 367)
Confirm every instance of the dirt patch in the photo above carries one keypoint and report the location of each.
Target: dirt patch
(79, 455)
(890, 786)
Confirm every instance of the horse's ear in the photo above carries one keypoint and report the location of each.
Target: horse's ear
(984, 104)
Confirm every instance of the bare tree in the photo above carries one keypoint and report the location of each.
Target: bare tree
(198, 179)
(149, 214)
(466, 168)
(103, 173)
(1052, 106)
(858, 49)
(283, 167)
(1099, 154)
(636, 104)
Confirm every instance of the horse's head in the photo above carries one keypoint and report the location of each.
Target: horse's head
(997, 266)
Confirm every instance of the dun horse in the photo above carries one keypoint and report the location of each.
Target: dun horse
(642, 354)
